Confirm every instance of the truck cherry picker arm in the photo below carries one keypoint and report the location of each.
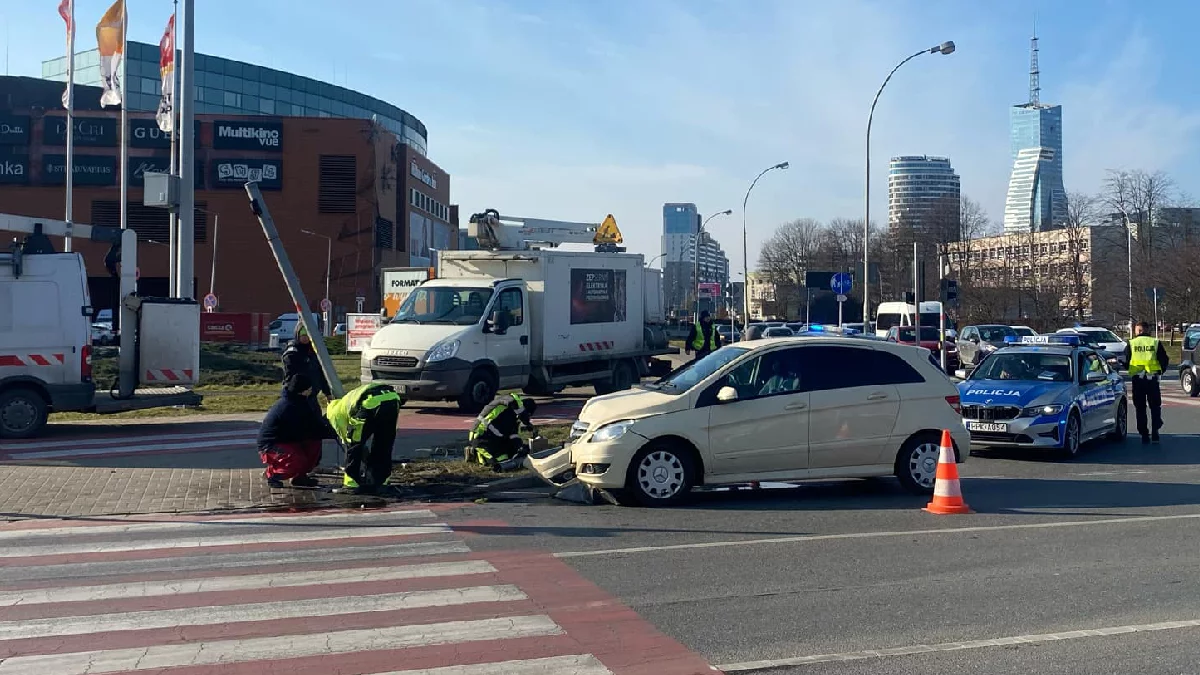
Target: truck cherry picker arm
(511, 233)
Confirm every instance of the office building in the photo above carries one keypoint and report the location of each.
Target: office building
(681, 223)
(924, 193)
(1036, 198)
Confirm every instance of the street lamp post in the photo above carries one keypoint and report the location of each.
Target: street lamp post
(746, 247)
(1128, 261)
(328, 269)
(944, 48)
(696, 258)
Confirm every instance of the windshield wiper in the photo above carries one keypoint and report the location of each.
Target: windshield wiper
(406, 320)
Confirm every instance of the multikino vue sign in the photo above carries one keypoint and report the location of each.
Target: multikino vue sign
(93, 132)
(248, 135)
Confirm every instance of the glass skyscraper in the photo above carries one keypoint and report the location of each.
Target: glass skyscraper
(224, 86)
(921, 188)
(1036, 200)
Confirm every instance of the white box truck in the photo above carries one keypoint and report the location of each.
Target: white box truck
(538, 320)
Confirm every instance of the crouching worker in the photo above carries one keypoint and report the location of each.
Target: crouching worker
(289, 441)
(495, 440)
(365, 422)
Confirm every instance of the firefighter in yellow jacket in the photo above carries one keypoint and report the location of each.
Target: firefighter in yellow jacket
(365, 422)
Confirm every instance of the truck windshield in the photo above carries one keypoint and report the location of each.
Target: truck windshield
(691, 374)
(444, 305)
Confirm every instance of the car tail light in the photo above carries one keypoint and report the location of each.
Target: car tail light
(85, 363)
(955, 403)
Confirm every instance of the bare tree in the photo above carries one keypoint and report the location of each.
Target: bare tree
(788, 254)
(1077, 261)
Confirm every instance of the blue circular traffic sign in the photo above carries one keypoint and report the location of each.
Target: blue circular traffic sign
(841, 283)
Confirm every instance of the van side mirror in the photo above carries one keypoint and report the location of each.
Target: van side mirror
(961, 374)
(727, 395)
(497, 324)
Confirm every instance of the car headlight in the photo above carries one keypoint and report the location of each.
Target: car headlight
(1039, 410)
(611, 432)
(442, 351)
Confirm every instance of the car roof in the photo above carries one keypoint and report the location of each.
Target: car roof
(1065, 350)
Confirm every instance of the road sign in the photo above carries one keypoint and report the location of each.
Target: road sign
(326, 305)
(210, 301)
(1154, 294)
(841, 283)
(842, 298)
(360, 301)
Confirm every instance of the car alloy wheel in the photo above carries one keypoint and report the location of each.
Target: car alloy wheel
(1187, 382)
(922, 464)
(661, 475)
(1071, 440)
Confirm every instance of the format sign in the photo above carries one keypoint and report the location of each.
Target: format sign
(89, 169)
(145, 133)
(14, 129)
(248, 135)
(14, 169)
(93, 132)
(235, 173)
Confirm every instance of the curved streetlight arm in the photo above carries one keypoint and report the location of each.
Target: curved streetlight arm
(944, 48)
(696, 257)
(746, 248)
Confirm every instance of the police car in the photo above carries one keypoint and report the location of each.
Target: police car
(1043, 391)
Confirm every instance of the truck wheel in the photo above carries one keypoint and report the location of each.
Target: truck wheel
(624, 376)
(23, 413)
(481, 389)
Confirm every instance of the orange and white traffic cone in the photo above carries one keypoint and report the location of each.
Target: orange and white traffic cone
(947, 493)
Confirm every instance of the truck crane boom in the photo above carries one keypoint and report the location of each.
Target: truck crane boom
(511, 233)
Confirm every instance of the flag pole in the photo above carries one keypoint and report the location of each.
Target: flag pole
(124, 114)
(70, 160)
(173, 224)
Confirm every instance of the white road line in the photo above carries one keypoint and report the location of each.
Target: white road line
(871, 535)
(198, 540)
(261, 611)
(220, 561)
(222, 652)
(118, 440)
(749, 666)
(231, 444)
(585, 664)
(146, 589)
(151, 527)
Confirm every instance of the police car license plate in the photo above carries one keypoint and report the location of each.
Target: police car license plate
(400, 389)
(992, 427)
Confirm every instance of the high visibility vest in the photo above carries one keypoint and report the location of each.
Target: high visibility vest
(1143, 356)
(347, 414)
(699, 341)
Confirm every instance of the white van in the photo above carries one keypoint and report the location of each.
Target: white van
(283, 329)
(45, 341)
(890, 314)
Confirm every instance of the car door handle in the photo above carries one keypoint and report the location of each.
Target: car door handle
(796, 406)
(524, 339)
(877, 397)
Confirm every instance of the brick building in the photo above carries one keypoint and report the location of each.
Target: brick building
(349, 182)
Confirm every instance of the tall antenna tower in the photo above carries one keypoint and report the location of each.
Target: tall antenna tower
(1035, 86)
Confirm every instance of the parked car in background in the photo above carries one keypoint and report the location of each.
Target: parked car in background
(728, 334)
(103, 335)
(339, 329)
(1093, 340)
(1023, 331)
(778, 332)
(1103, 338)
(976, 342)
(1189, 368)
(907, 335)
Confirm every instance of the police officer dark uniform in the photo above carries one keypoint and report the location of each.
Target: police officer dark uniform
(1147, 359)
(703, 337)
(365, 422)
(301, 358)
(495, 440)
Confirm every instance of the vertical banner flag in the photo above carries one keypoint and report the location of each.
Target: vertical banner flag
(110, 37)
(166, 66)
(66, 9)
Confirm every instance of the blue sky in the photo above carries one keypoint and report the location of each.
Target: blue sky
(575, 109)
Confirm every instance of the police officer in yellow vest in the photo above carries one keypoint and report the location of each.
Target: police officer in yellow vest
(703, 337)
(495, 440)
(365, 422)
(1147, 359)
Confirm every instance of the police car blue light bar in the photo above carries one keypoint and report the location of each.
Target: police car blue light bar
(815, 328)
(1072, 340)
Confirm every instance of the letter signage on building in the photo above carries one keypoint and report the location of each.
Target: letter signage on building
(14, 129)
(89, 169)
(140, 166)
(398, 283)
(145, 133)
(96, 132)
(422, 175)
(248, 135)
(14, 169)
(235, 173)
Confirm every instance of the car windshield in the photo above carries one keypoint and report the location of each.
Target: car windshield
(1089, 338)
(1023, 331)
(444, 305)
(778, 331)
(689, 375)
(1101, 335)
(995, 333)
(908, 334)
(1025, 367)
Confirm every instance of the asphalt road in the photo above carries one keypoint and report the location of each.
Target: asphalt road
(819, 578)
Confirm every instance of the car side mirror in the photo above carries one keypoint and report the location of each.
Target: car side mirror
(961, 374)
(727, 395)
(1095, 376)
(975, 340)
(497, 324)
